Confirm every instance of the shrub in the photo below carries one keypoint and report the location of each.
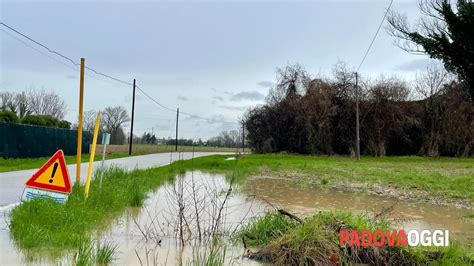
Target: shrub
(46, 121)
(34, 120)
(64, 124)
(8, 117)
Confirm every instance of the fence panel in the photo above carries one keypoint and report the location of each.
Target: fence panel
(26, 141)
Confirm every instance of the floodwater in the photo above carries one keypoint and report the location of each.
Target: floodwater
(201, 204)
(406, 215)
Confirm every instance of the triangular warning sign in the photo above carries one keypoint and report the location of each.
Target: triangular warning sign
(53, 175)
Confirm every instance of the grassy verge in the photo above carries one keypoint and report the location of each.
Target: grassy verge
(113, 152)
(316, 241)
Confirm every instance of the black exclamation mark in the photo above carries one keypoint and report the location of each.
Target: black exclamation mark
(54, 172)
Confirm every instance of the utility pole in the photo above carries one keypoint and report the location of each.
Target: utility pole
(79, 123)
(243, 137)
(357, 116)
(133, 114)
(177, 117)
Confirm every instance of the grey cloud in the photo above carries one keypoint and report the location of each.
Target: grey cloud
(217, 99)
(247, 95)
(265, 84)
(414, 65)
(183, 98)
(233, 108)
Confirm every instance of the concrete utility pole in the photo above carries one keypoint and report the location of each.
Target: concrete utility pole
(133, 115)
(243, 137)
(79, 123)
(177, 118)
(357, 116)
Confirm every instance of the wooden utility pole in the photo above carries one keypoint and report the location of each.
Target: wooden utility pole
(357, 116)
(177, 118)
(133, 115)
(79, 123)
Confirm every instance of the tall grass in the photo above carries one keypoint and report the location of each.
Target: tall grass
(262, 230)
(94, 253)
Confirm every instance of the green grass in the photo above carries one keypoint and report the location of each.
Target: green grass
(105, 253)
(94, 253)
(262, 230)
(317, 240)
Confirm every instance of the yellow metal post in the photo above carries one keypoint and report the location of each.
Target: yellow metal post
(79, 124)
(91, 158)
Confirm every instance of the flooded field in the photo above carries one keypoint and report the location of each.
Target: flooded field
(180, 221)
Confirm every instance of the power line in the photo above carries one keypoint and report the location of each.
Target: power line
(40, 44)
(95, 71)
(375, 36)
(39, 51)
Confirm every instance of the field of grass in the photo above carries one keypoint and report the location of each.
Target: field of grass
(113, 152)
(69, 225)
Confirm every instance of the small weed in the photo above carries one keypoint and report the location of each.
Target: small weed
(324, 181)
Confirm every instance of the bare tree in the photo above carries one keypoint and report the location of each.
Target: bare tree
(46, 103)
(430, 86)
(88, 121)
(23, 105)
(7, 102)
(292, 81)
(114, 118)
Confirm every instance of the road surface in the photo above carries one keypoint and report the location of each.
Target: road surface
(12, 183)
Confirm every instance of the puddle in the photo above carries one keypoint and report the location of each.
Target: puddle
(307, 201)
(151, 235)
(152, 232)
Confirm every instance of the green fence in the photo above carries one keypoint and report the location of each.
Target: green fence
(26, 141)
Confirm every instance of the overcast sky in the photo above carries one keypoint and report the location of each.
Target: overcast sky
(213, 59)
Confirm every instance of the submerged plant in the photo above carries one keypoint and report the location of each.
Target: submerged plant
(105, 252)
(92, 253)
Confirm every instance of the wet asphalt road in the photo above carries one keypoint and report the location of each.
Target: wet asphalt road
(12, 183)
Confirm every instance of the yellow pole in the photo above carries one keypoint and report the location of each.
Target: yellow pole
(91, 159)
(79, 124)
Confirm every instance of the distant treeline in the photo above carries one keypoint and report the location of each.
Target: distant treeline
(229, 139)
(318, 116)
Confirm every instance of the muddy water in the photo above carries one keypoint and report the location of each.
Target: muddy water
(150, 235)
(407, 215)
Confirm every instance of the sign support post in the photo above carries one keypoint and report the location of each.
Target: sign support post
(92, 155)
(79, 124)
(105, 141)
